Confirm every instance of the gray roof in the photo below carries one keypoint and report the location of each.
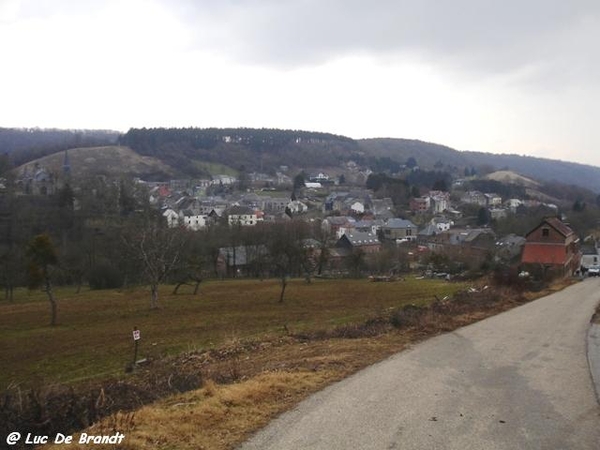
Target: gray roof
(400, 223)
(429, 230)
(239, 210)
(358, 238)
(241, 255)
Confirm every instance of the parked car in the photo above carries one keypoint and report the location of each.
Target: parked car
(593, 271)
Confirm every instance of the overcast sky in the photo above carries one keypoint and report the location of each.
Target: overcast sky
(511, 76)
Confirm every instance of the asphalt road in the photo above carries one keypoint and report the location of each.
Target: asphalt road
(517, 381)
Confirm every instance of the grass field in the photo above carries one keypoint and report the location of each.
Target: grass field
(214, 168)
(94, 335)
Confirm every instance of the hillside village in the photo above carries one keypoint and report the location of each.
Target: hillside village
(440, 232)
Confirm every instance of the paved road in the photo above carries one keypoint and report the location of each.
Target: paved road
(517, 381)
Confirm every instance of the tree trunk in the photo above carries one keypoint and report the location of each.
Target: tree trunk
(283, 285)
(177, 287)
(52, 300)
(197, 286)
(79, 284)
(154, 296)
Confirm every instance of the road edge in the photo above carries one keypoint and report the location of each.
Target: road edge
(593, 354)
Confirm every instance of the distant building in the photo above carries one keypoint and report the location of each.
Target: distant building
(356, 240)
(241, 215)
(552, 245)
(399, 229)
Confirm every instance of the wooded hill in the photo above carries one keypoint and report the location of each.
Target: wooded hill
(190, 152)
(27, 144)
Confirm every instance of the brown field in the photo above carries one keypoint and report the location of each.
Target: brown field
(94, 335)
(252, 367)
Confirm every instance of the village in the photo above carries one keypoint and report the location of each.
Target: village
(355, 230)
(353, 220)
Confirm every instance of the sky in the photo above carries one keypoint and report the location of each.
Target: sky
(511, 76)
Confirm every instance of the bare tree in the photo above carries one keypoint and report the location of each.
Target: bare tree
(192, 264)
(285, 249)
(159, 250)
(42, 255)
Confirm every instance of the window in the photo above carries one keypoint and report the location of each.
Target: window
(545, 232)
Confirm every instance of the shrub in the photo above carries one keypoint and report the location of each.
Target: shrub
(408, 316)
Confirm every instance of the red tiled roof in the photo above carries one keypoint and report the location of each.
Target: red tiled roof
(560, 226)
(557, 224)
(544, 254)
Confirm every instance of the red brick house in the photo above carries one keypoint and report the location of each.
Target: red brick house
(552, 245)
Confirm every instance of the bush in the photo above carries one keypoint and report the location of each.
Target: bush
(408, 316)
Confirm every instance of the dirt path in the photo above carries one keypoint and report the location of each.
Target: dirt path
(517, 380)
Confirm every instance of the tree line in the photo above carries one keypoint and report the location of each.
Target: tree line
(21, 145)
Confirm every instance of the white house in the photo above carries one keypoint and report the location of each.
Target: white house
(440, 201)
(312, 185)
(493, 199)
(357, 207)
(172, 218)
(241, 215)
(297, 207)
(442, 224)
(193, 221)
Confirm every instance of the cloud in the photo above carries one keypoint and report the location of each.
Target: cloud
(480, 36)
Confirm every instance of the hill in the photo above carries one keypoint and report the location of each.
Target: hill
(510, 177)
(262, 150)
(429, 155)
(200, 152)
(26, 144)
(111, 161)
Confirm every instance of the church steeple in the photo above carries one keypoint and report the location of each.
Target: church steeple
(66, 165)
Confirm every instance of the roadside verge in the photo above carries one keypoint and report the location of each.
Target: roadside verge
(593, 351)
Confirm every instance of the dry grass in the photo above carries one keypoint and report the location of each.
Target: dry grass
(252, 376)
(275, 375)
(212, 417)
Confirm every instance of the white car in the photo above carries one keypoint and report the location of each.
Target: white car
(593, 271)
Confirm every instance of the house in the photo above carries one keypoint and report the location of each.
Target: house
(552, 245)
(357, 207)
(442, 223)
(241, 215)
(589, 256)
(275, 204)
(242, 260)
(513, 204)
(383, 207)
(498, 213)
(439, 201)
(312, 185)
(321, 178)
(223, 179)
(424, 235)
(509, 247)
(420, 205)
(471, 246)
(357, 240)
(399, 229)
(171, 217)
(193, 220)
(369, 226)
(474, 198)
(297, 207)
(492, 200)
(332, 225)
